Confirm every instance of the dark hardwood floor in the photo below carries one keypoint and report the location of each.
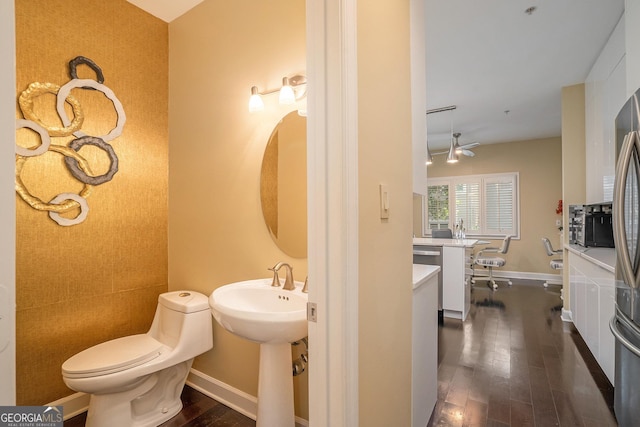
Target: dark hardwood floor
(513, 362)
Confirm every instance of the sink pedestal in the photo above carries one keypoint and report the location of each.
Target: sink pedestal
(275, 386)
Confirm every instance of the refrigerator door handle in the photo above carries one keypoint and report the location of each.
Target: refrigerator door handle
(619, 186)
(618, 335)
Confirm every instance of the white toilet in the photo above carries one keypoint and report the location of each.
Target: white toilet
(136, 381)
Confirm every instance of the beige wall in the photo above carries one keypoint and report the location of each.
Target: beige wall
(539, 164)
(217, 234)
(573, 159)
(384, 139)
(84, 284)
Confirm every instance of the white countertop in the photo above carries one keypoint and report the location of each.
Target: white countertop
(422, 273)
(462, 243)
(602, 257)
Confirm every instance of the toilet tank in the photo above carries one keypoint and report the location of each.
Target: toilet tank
(183, 318)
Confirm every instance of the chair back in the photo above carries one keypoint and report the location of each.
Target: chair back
(442, 234)
(548, 247)
(505, 245)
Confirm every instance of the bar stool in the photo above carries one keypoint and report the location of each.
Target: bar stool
(492, 261)
(557, 263)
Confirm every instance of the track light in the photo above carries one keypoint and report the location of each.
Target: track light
(429, 160)
(452, 157)
(456, 146)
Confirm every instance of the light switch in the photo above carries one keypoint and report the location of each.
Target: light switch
(384, 201)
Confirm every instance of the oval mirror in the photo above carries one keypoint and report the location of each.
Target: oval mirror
(283, 185)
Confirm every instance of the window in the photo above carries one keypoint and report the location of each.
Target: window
(438, 202)
(487, 205)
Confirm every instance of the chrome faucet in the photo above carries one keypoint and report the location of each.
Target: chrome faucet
(288, 281)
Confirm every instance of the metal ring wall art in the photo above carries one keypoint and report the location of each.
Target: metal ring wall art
(76, 164)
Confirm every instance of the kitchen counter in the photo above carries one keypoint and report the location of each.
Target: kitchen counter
(602, 257)
(422, 273)
(461, 243)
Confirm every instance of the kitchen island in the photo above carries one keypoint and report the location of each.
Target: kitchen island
(454, 257)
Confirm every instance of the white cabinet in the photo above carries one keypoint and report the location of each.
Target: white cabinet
(607, 340)
(456, 286)
(424, 389)
(605, 94)
(632, 47)
(592, 303)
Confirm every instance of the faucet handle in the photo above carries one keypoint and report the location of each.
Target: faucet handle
(276, 279)
(305, 288)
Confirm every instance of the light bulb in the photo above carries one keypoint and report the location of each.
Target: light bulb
(286, 93)
(255, 102)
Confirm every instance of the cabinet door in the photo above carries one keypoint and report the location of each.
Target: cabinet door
(453, 278)
(607, 355)
(592, 316)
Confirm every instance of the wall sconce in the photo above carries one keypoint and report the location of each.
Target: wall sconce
(293, 89)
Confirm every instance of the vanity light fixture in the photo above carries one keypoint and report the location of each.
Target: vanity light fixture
(293, 89)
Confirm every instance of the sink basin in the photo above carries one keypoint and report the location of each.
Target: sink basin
(274, 318)
(259, 312)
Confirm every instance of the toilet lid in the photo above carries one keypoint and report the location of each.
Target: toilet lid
(112, 356)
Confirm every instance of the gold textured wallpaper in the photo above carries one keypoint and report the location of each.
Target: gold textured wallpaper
(97, 280)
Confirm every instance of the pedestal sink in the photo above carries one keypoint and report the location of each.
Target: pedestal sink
(274, 318)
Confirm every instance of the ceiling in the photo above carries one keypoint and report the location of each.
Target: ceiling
(167, 10)
(503, 68)
(488, 57)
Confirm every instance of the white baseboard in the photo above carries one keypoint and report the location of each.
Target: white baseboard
(567, 316)
(72, 405)
(237, 400)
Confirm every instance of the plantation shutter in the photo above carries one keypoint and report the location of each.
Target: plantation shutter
(500, 205)
(468, 205)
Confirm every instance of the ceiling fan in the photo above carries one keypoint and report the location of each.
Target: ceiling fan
(464, 149)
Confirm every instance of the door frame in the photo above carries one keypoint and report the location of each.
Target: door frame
(7, 204)
(332, 140)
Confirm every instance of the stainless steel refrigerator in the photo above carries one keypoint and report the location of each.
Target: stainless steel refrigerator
(625, 325)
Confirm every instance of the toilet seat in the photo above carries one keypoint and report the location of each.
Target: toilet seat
(112, 356)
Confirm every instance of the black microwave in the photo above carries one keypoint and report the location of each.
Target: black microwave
(597, 227)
